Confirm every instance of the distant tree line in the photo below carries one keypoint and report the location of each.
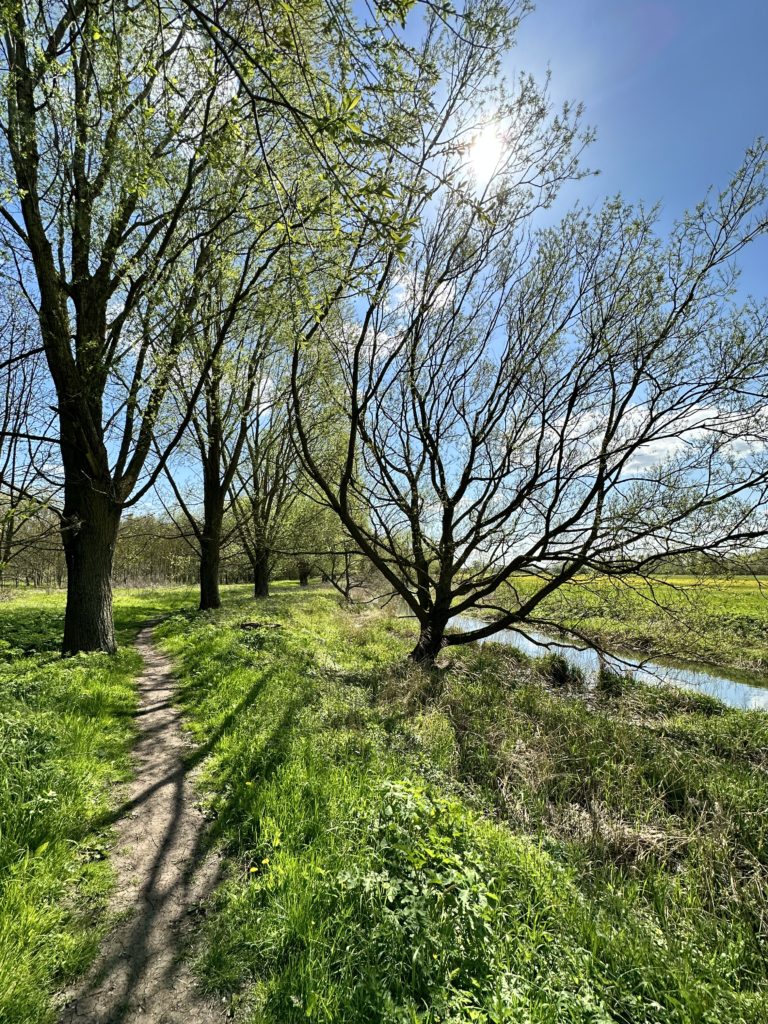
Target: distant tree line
(151, 551)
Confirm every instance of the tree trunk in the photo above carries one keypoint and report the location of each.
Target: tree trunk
(431, 641)
(304, 579)
(7, 547)
(214, 498)
(210, 555)
(89, 533)
(261, 574)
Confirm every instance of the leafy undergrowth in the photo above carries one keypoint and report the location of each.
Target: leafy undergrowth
(483, 844)
(65, 733)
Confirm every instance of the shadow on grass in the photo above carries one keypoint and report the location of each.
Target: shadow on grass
(30, 629)
(134, 972)
(191, 761)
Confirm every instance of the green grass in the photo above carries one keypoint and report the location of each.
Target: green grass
(721, 621)
(486, 843)
(65, 733)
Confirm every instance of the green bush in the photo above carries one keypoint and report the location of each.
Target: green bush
(558, 671)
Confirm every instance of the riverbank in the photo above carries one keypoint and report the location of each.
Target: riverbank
(736, 688)
(487, 842)
(718, 621)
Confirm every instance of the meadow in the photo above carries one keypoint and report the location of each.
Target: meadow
(484, 843)
(490, 841)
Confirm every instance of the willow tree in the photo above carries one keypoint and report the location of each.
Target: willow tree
(588, 397)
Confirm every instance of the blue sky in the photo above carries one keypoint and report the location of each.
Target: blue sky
(677, 90)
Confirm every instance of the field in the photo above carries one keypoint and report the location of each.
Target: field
(721, 621)
(487, 842)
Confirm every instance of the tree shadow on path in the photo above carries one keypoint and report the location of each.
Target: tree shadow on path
(165, 870)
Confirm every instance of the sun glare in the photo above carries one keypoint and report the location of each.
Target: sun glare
(485, 152)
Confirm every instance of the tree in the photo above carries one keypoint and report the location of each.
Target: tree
(279, 521)
(124, 123)
(228, 346)
(26, 490)
(313, 542)
(121, 131)
(347, 570)
(150, 551)
(547, 401)
(265, 486)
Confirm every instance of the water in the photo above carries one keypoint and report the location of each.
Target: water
(735, 688)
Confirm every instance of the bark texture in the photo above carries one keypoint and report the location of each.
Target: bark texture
(261, 574)
(210, 559)
(431, 640)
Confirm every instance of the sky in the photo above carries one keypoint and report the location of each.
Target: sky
(677, 90)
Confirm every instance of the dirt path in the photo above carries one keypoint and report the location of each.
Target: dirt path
(162, 875)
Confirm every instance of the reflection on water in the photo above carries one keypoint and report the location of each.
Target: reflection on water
(732, 687)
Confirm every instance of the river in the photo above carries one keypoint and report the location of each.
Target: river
(733, 687)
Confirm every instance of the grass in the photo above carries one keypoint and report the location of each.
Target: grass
(716, 620)
(65, 733)
(486, 843)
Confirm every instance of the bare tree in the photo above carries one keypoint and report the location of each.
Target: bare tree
(348, 571)
(587, 397)
(26, 444)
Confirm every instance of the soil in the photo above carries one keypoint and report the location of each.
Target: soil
(164, 875)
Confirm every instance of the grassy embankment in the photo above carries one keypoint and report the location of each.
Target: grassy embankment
(65, 734)
(508, 850)
(721, 621)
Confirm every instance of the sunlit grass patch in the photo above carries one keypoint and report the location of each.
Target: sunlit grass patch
(65, 735)
(509, 848)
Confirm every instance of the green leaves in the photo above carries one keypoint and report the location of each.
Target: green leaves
(398, 10)
(336, 121)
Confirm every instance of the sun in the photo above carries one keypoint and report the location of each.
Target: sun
(485, 152)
